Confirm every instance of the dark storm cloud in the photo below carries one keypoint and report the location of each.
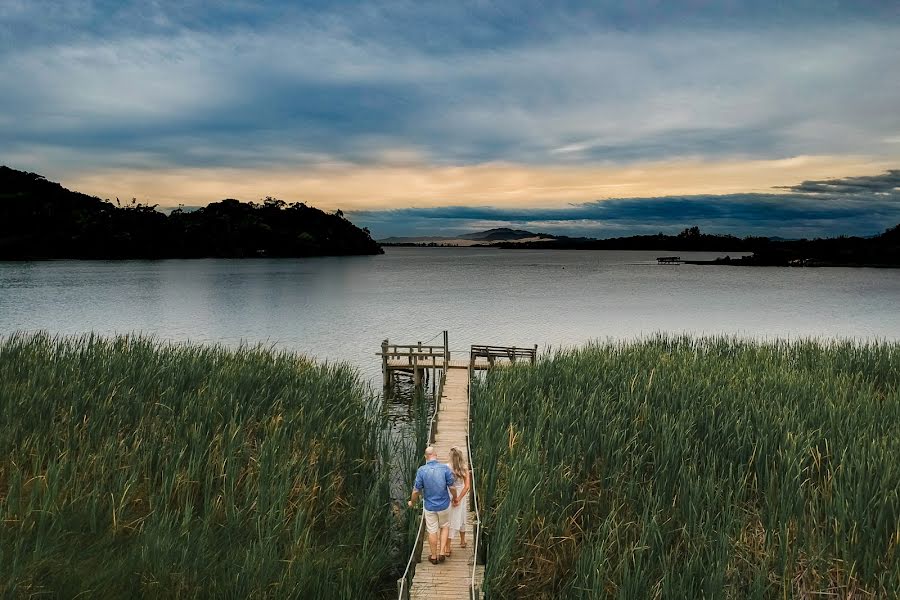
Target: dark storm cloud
(887, 183)
(864, 206)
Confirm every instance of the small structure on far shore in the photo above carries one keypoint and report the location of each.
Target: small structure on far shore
(668, 260)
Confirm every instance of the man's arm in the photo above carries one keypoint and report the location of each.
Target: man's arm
(417, 485)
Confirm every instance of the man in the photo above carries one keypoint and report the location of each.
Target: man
(434, 482)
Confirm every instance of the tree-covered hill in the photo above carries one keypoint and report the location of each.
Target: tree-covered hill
(42, 219)
(882, 250)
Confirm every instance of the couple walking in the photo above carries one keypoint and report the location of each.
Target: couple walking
(443, 488)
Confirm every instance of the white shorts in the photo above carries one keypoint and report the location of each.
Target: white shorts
(435, 520)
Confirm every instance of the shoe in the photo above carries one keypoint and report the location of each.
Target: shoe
(433, 560)
(442, 558)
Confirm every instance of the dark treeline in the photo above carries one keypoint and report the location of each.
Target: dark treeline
(881, 250)
(689, 239)
(42, 219)
(878, 251)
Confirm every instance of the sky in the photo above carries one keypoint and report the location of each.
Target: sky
(437, 118)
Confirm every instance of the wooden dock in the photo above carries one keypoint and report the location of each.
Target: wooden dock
(460, 576)
(452, 579)
(418, 360)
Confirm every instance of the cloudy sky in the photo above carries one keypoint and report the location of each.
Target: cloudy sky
(589, 118)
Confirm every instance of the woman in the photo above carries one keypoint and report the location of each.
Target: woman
(462, 483)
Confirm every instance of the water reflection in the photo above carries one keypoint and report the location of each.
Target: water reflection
(341, 308)
(408, 410)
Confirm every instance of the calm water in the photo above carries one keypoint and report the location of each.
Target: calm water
(341, 308)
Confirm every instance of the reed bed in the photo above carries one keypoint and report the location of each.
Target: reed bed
(134, 468)
(680, 467)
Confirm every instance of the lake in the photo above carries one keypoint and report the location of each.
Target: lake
(341, 308)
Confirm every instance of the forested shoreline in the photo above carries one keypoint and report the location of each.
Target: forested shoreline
(40, 219)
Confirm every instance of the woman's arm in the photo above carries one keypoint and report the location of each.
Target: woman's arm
(467, 485)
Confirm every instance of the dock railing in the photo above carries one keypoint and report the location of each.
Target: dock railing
(413, 358)
(474, 587)
(510, 353)
(410, 354)
(403, 584)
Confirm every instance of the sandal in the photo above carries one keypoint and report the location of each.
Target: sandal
(442, 558)
(433, 560)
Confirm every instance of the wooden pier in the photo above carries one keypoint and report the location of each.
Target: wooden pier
(421, 361)
(460, 576)
(451, 579)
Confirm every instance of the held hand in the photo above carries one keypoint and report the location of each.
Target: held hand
(409, 503)
(456, 502)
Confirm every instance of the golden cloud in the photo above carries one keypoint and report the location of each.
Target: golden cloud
(372, 187)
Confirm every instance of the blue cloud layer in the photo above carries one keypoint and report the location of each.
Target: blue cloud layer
(88, 84)
(850, 206)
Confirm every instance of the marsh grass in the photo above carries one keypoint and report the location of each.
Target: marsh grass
(679, 467)
(130, 467)
(410, 419)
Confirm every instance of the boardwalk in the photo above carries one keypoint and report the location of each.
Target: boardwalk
(450, 580)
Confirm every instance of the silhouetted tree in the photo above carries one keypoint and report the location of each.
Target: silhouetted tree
(41, 219)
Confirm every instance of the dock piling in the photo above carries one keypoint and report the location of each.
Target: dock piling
(384, 364)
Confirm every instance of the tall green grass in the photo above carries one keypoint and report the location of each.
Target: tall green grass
(693, 468)
(410, 419)
(133, 468)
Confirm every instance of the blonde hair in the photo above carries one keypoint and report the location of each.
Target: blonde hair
(458, 463)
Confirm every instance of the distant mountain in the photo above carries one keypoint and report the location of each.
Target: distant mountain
(503, 234)
(42, 219)
(490, 236)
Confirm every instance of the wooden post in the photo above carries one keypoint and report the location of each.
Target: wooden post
(384, 364)
(446, 351)
(434, 373)
(417, 375)
(534, 356)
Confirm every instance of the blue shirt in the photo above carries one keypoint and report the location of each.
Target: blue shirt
(434, 478)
